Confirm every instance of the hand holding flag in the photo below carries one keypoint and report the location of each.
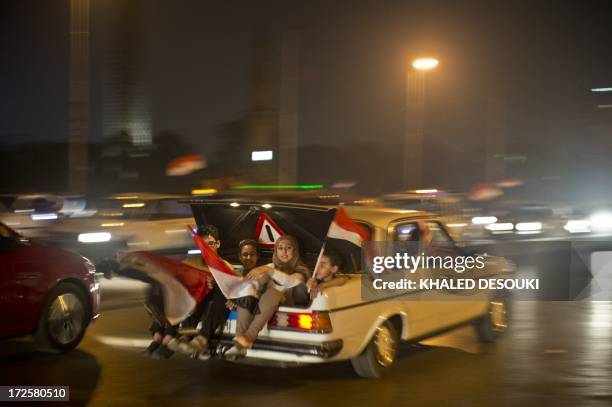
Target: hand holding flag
(231, 284)
(346, 234)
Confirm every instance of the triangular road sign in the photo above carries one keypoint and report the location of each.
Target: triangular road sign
(267, 232)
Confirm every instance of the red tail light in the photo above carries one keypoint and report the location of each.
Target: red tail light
(315, 322)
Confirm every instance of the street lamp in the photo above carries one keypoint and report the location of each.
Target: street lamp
(415, 120)
(425, 64)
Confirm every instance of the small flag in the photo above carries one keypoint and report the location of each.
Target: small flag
(347, 237)
(185, 165)
(344, 228)
(231, 284)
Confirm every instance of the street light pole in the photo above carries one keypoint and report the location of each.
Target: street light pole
(415, 121)
(78, 97)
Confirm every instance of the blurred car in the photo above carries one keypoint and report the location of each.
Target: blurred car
(44, 291)
(339, 324)
(76, 206)
(127, 222)
(520, 220)
(31, 213)
(592, 219)
(451, 207)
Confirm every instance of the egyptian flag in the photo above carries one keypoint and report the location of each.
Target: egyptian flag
(231, 284)
(182, 286)
(346, 237)
(185, 165)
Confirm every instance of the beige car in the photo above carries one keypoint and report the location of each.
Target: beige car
(341, 323)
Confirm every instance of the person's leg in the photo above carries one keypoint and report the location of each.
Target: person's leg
(170, 333)
(215, 315)
(157, 331)
(268, 304)
(243, 320)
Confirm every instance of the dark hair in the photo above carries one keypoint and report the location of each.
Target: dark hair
(209, 230)
(334, 257)
(248, 242)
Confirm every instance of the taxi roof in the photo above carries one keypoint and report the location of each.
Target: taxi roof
(143, 196)
(382, 216)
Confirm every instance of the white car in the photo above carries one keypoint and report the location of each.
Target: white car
(30, 214)
(128, 222)
(339, 324)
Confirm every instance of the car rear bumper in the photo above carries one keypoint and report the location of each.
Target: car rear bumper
(290, 351)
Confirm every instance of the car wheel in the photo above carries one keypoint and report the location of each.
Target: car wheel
(63, 320)
(381, 353)
(491, 325)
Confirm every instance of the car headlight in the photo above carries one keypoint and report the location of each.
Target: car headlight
(602, 221)
(578, 226)
(483, 220)
(529, 226)
(44, 216)
(500, 227)
(96, 237)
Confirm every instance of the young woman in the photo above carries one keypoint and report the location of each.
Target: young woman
(281, 278)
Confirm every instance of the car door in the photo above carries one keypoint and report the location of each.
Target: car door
(20, 275)
(417, 304)
(449, 306)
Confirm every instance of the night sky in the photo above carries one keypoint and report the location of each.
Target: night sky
(535, 59)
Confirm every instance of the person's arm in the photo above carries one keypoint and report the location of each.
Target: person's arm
(311, 283)
(287, 280)
(259, 272)
(334, 282)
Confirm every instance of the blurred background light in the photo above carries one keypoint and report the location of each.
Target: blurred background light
(94, 237)
(424, 64)
(500, 227)
(578, 226)
(483, 220)
(266, 155)
(601, 221)
(314, 186)
(528, 226)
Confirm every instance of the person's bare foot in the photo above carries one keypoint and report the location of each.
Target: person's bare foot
(243, 341)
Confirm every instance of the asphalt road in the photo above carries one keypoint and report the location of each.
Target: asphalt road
(555, 353)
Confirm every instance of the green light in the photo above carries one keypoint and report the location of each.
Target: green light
(278, 186)
(601, 90)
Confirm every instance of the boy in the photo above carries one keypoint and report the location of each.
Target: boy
(164, 343)
(326, 274)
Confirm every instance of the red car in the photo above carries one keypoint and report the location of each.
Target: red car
(46, 292)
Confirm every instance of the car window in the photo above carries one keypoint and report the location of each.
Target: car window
(438, 234)
(406, 232)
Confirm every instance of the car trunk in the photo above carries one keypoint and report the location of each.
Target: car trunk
(308, 224)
